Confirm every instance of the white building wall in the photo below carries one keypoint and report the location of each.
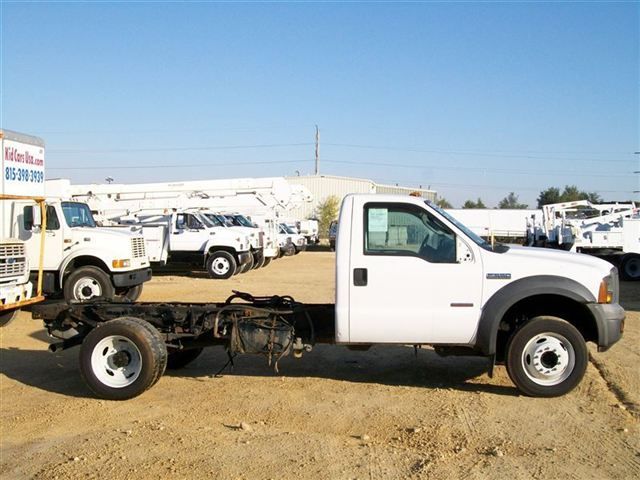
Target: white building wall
(323, 186)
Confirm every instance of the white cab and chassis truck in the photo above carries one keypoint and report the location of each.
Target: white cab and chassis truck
(406, 274)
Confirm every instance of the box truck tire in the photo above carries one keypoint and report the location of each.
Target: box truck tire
(86, 283)
(630, 267)
(547, 357)
(221, 265)
(7, 317)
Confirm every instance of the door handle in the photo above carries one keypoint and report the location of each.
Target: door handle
(360, 277)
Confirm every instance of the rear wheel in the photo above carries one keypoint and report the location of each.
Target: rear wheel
(182, 358)
(547, 357)
(7, 317)
(86, 283)
(221, 265)
(130, 293)
(267, 261)
(630, 267)
(122, 358)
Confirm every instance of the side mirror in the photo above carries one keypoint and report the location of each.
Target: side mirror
(36, 216)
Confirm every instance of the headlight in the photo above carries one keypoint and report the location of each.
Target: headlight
(122, 263)
(609, 287)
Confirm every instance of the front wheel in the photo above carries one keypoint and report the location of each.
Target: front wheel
(7, 317)
(122, 358)
(86, 283)
(221, 265)
(547, 357)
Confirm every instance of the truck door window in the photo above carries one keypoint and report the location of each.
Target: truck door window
(407, 230)
(52, 218)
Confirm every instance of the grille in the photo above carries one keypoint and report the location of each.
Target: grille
(261, 239)
(138, 248)
(13, 261)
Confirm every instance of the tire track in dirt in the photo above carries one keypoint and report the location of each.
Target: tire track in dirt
(616, 389)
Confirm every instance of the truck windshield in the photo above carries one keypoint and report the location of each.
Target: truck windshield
(475, 238)
(288, 229)
(78, 214)
(213, 220)
(244, 221)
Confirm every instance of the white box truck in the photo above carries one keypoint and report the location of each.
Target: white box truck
(407, 273)
(22, 180)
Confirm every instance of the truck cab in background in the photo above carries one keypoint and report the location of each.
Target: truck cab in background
(239, 223)
(189, 238)
(81, 260)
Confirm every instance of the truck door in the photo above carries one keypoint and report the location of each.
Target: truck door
(54, 241)
(412, 279)
(188, 234)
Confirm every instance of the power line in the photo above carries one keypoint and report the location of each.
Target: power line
(174, 165)
(176, 149)
(477, 169)
(474, 153)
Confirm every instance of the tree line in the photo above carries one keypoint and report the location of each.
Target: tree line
(571, 193)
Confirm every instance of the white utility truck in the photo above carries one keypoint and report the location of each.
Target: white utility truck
(291, 242)
(241, 224)
(262, 198)
(407, 273)
(188, 238)
(22, 180)
(80, 260)
(610, 231)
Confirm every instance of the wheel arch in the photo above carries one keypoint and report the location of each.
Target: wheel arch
(73, 263)
(533, 296)
(217, 248)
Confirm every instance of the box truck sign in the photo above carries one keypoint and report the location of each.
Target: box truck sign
(22, 168)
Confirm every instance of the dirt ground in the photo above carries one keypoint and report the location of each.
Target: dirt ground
(335, 414)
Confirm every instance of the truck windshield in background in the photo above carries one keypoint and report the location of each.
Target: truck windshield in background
(78, 215)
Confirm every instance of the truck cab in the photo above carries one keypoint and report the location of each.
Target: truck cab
(189, 237)
(409, 273)
(82, 260)
(240, 224)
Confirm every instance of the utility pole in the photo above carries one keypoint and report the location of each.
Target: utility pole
(317, 151)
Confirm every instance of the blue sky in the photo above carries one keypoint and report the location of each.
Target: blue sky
(474, 100)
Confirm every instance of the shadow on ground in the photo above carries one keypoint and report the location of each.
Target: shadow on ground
(382, 365)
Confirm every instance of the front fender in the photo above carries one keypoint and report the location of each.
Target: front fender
(501, 301)
(85, 252)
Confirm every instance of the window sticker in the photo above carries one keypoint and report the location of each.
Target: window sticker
(378, 219)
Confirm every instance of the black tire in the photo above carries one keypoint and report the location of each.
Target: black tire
(546, 357)
(630, 267)
(86, 283)
(182, 358)
(122, 358)
(259, 263)
(7, 317)
(267, 261)
(221, 265)
(248, 266)
(130, 294)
